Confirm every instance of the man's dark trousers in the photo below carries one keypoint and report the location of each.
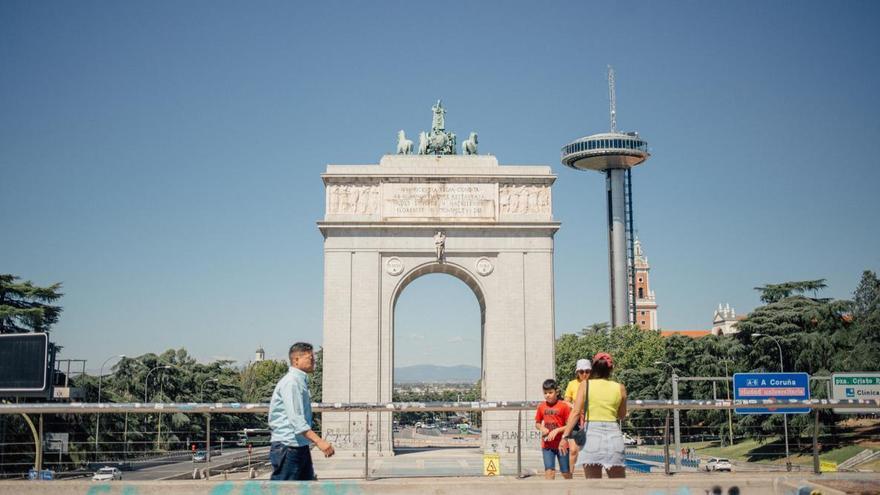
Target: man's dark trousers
(291, 463)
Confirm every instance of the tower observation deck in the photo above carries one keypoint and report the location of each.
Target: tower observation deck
(615, 154)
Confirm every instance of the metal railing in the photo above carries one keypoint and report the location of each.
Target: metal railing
(653, 436)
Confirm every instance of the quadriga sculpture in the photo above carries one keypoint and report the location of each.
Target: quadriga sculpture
(404, 145)
(469, 145)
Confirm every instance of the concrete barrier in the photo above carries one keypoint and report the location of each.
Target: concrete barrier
(751, 484)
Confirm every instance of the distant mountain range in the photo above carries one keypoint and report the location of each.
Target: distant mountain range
(429, 373)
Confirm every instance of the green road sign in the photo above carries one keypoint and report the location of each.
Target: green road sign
(859, 385)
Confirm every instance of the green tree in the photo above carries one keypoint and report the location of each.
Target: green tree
(596, 328)
(796, 322)
(25, 307)
(317, 377)
(258, 379)
(631, 348)
(866, 298)
(771, 293)
(186, 380)
(862, 327)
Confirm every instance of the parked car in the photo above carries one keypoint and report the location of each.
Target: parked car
(107, 474)
(718, 464)
(200, 456)
(628, 440)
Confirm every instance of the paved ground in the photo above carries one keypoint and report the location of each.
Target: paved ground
(655, 484)
(421, 463)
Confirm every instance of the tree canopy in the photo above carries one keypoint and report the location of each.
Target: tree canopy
(25, 307)
(771, 293)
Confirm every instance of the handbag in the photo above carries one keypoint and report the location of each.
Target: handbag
(580, 436)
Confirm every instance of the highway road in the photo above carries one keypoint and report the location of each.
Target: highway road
(179, 467)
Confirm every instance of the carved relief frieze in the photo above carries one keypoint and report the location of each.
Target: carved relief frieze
(524, 199)
(353, 199)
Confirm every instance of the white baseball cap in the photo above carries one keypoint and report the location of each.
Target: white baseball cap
(583, 365)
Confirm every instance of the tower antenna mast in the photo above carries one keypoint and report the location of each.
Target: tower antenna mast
(612, 99)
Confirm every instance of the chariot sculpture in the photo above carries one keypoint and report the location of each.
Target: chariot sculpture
(438, 141)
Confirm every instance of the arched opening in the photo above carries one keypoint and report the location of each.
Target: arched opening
(438, 351)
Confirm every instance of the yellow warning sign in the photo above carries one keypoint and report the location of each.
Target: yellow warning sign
(491, 465)
(827, 466)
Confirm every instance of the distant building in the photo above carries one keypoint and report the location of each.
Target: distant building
(725, 320)
(260, 355)
(646, 303)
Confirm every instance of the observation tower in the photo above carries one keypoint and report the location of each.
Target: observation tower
(614, 153)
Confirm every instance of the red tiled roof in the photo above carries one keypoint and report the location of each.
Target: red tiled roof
(694, 334)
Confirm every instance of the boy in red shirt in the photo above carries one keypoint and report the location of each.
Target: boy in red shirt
(550, 419)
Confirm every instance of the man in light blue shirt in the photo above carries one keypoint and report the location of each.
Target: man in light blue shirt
(290, 418)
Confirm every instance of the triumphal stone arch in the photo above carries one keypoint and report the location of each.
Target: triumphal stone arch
(385, 225)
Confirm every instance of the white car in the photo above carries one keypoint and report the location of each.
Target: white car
(107, 474)
(718, 464)
(628, 440)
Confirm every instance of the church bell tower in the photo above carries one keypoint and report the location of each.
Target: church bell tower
(646, 303)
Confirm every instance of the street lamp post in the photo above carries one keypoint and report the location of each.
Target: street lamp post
(727, 386)
(784, 416)
(98, 416)
(147, 379)
(146, 382)
(675, 416)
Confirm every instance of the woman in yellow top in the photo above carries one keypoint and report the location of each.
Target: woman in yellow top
(582, 372)
(606, 404)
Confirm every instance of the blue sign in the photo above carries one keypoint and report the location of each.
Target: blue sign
(777, 386)
(45, 474)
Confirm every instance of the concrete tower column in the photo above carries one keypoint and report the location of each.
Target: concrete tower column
(617, 247)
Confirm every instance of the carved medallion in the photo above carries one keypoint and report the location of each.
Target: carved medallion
(394, 266)
(484, 266)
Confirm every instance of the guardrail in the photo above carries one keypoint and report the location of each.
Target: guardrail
(403, 407)
(234, 407)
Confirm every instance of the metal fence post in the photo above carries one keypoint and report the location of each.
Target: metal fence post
(676, 420)
(666, 444)
(816, 467)
(40, 456)
(97, 428)
(367, 448)
(208, 446)
(125, 440)
(519, 433)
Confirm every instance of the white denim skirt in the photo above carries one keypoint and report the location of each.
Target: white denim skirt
(604, 445)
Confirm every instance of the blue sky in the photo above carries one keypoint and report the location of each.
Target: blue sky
(162, 159)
